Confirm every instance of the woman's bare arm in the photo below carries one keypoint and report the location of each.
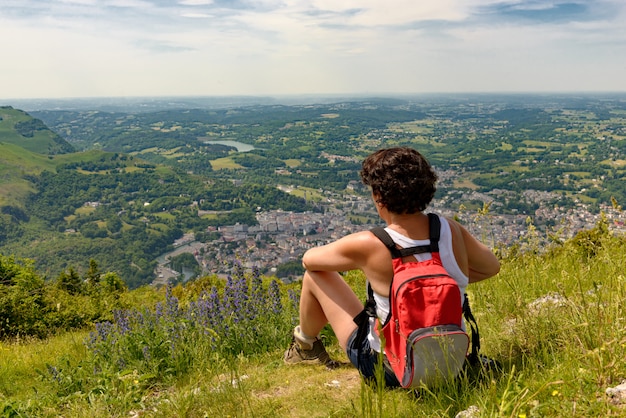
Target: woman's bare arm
(482, 263)
(347, 253)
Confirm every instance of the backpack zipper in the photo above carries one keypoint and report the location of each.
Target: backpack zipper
(426, 276)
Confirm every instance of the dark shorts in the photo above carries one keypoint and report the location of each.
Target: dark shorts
(365, 359)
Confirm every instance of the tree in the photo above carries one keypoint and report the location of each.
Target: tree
(70, 281)
(290, 268)
(112, 283)
(92, 277)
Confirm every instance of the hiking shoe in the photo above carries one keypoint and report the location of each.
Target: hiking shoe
(317, 354)
(489, 364)
(482, 363)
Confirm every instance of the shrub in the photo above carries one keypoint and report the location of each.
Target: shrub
(154, 345)
(21, 299)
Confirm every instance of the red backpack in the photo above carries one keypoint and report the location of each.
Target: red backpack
(424, 341)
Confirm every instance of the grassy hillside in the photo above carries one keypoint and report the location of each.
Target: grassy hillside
(27, 147)
(19, 128)
(15, 162)
(555, 320)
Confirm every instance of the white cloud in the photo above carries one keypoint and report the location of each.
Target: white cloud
(196, 15)
(195, 2)
(133, 4)
(158, 47)
(80, 2)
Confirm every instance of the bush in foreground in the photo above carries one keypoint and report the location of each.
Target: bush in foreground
(142, 349)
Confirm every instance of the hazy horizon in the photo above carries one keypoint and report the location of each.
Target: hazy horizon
(154, 103)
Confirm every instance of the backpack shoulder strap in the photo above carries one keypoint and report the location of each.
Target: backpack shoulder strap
(434, 225)
(382, 235)
(362, 319)
(434, 232)
(469, 318)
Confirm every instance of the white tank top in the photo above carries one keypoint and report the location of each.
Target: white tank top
(447, 259)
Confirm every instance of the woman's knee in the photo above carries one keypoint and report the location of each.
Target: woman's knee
(322, 279)
(331, 291)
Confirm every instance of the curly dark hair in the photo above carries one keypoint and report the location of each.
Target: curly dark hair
(401, 178)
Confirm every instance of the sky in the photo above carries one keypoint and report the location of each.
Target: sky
(131, 48)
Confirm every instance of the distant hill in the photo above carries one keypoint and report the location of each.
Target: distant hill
(44, 185)
(16, 163)
(19, 128)
(26, 148)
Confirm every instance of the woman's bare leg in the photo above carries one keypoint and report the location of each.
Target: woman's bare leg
(327, 298)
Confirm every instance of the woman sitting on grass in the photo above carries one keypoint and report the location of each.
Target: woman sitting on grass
(402, 183)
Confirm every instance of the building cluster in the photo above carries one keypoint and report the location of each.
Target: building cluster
(282, 237)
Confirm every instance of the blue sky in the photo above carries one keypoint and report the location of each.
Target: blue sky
(111, 48)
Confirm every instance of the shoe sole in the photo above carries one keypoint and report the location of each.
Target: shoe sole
(303, 361)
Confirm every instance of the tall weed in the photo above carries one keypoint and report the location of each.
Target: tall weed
(557, 322)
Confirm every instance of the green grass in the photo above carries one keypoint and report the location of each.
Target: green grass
(311, 194)
(22, 361)
(15, 162)
(292, 162)
(224, 163)
(38, 142)
(555, 321)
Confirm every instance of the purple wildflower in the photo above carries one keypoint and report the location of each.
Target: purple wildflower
(274, 296)
(158, 310)
(294, 298)
(121, 320)
(104, 330)
(171, 303)
(54, 373)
